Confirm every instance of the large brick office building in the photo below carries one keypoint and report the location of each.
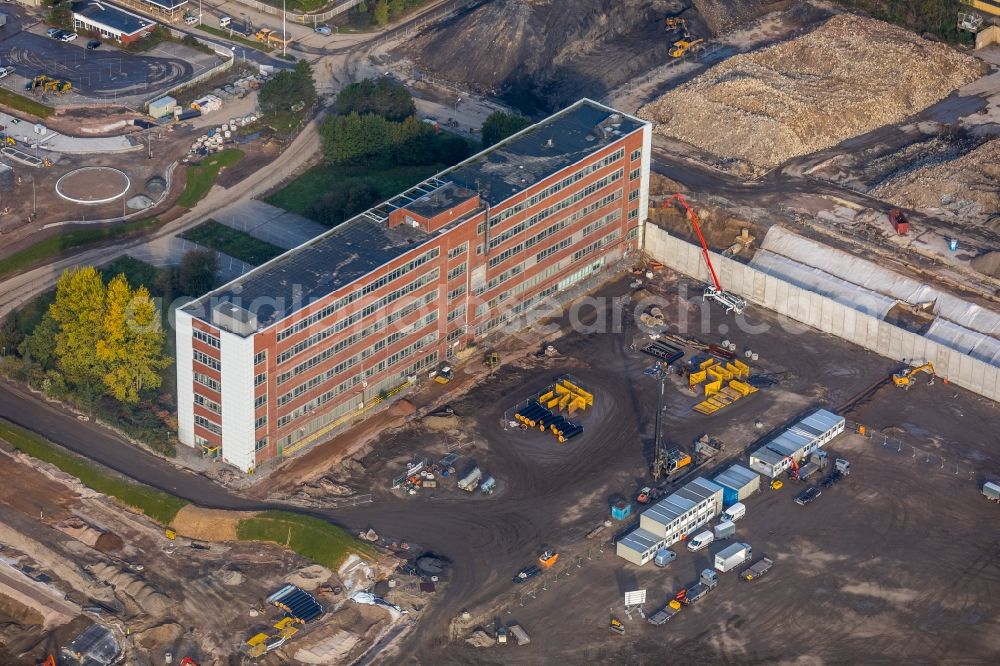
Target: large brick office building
(281, 356)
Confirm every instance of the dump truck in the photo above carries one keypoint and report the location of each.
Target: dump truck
(899, 221)
(666, 613)
(682, 46)
(733, 556)
(708, 582)
(470, 481)
(757, 569)
(272, 38)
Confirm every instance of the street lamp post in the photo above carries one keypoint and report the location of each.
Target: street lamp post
(284, 33)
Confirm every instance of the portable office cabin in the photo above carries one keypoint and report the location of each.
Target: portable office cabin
(738, 483)
(680, 513)
(638, 546)
(798, 441)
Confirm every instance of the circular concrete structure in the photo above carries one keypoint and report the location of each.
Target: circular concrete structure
(91, 186)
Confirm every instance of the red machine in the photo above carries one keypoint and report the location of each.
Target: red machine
(731, 302)
(899, 221)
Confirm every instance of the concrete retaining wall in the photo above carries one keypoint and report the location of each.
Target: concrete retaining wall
(987, 36)
(825, 314)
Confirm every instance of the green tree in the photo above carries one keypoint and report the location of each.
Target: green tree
(397, 8)
(78, 312)
(61, 14)
(287, 88)
(452, 149)
(499, 125)
(131, 345)
(379, 96)
(381, 12)
(353, 139)
(198, 272)
(40, 346)
(414, 142)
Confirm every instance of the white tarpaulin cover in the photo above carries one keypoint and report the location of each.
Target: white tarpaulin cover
(868, 287)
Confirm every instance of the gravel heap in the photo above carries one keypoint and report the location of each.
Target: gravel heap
(968, 186)
(848, 77)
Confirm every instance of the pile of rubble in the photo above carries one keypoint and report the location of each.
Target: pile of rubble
(968, 186)
(847, 77)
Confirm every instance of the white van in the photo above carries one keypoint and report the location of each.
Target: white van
(700, 540)
(190, 19)
(224, 21)
(734, 513)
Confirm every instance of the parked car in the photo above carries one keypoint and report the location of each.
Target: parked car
(224, 21)
(53, 32)
(4, 71)
(734, 513)
(323, 29)
(527, 572)
(664, 557)
(94, 44)
(190, 19)
(68, 37)
(808, 496)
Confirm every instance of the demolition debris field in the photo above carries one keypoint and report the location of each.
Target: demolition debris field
(848, 77)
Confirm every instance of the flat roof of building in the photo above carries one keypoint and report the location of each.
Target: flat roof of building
(168, 5)
(767, 456)
(440, 200)
(543, 150)
(736, 477)
(362, 244)
(640, 540)
(685, 498)
(112, 17)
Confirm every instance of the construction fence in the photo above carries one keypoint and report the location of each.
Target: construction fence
(825, 314)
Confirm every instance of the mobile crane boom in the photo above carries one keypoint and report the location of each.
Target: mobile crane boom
(730, 301)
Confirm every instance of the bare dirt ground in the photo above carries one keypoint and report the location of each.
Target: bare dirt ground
(552, 495)
(843, 79)
(544, 55)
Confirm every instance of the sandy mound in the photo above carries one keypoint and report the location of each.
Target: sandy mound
(988, 263)
(847, 77)
(310, 577)
(208, 524)
(401, 407)
(968, 186)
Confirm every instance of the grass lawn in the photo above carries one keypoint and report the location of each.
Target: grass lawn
(201, 176)
(301, 6)
(158, 505)
(252, 43)
(313, 538)
(299, 195)
(233, 242)
(53, 246)
(26, 104)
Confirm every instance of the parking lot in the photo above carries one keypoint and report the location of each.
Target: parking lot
(103, 73)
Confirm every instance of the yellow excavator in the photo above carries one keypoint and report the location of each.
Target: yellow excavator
(905, 380)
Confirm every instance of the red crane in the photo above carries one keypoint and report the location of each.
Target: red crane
(731, 302)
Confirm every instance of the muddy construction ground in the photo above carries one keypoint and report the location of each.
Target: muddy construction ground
(892, 562)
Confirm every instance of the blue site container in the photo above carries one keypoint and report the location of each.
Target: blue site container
(621, 510)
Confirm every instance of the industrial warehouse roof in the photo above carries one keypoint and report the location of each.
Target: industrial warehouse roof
(542, 150)
(112, 17)
(798, 436)
(640, 540)
(361, 245)
(736, 477)
(673, 506)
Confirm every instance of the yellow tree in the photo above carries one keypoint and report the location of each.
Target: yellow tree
(130, 348)
(78, 311)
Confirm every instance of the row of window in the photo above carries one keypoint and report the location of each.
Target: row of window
(597, 245)
(210, 405)
(456, 292)
(207, 425)
(207, 360)
(457, 251)
(456, 271)
(598, 223)
(549, 251)
(341, 303)
(456, 313)
(354, 318)
(354, 381)
(354, 360)
(207, 338)
(552, 189)
(349, 341)
(205, 380)
(260, 357)
(555, 208)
